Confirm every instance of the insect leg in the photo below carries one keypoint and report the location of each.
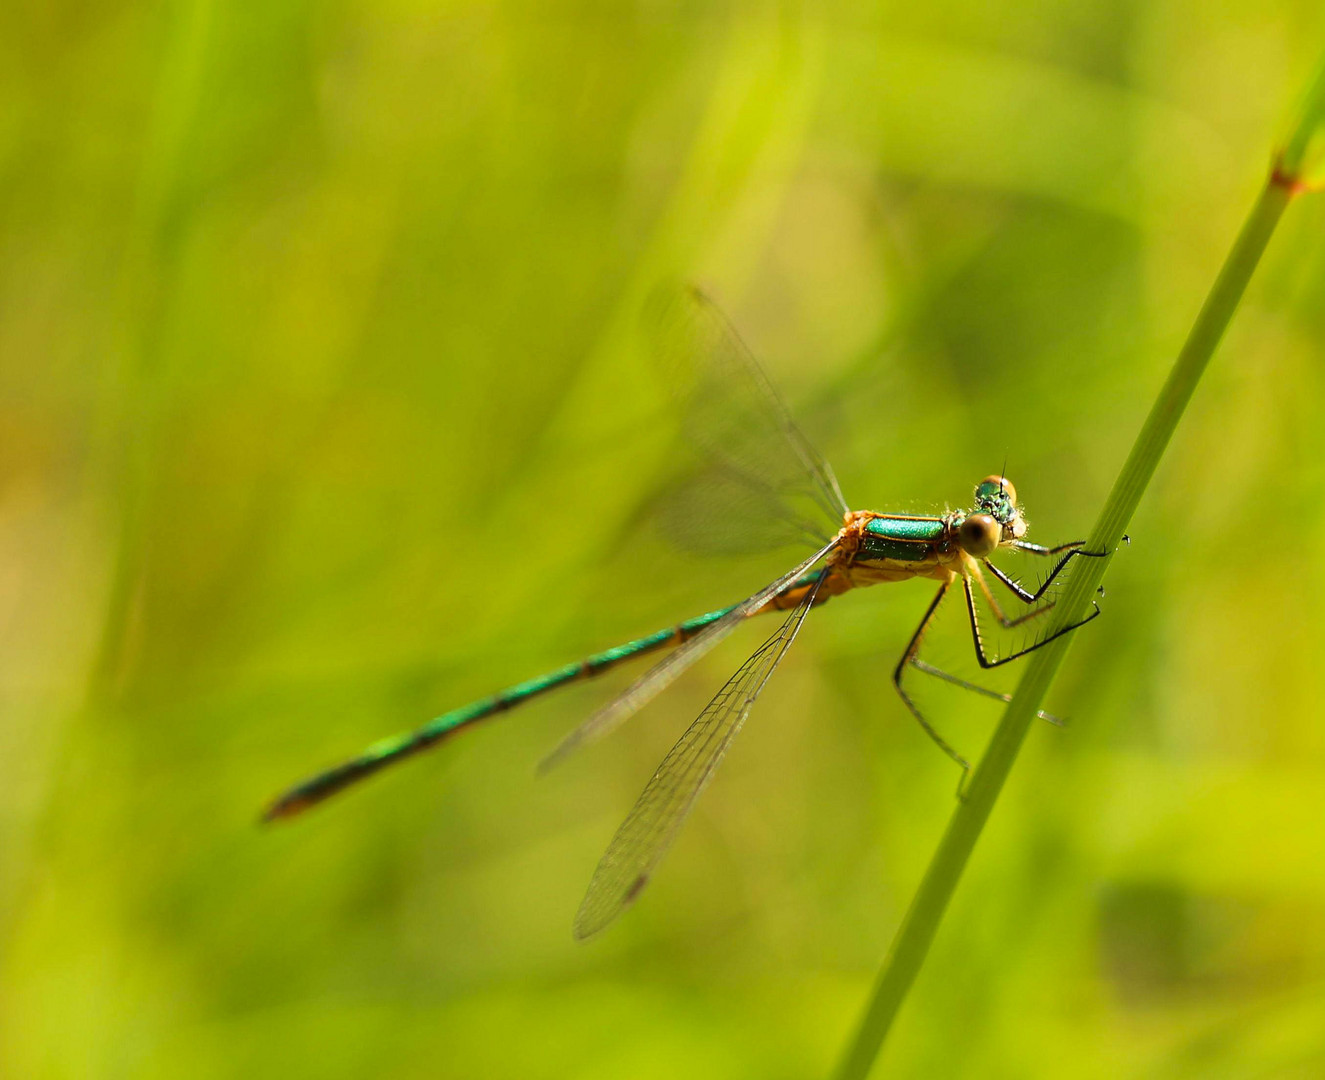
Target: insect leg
(939, 673)
(985, 660)
(908, 660)
(1027, 597)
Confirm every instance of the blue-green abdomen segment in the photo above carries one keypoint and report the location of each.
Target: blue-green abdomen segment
(905, 538)
(390, 750)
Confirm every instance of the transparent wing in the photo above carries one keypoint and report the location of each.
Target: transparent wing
(666, 670)
(766, 480)
(658, 814)
(712, 511)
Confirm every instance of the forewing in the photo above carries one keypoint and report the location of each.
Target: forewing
(666, 670)
(667, 799)
(745, 434)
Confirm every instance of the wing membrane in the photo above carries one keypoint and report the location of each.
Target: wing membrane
(666, 670)
(735, 417)
(669, 796)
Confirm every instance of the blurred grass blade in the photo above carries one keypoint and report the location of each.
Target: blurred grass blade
(918, 928)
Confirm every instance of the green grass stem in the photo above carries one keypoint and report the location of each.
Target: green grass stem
(918, 928)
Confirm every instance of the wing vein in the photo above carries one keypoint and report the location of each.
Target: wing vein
(670, 667)
(656, 818)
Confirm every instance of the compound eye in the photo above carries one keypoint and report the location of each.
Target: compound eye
(979, 534)
(991, 486)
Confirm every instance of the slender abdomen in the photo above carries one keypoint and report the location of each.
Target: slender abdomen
(398, 747)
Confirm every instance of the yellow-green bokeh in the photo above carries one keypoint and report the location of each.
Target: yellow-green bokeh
(319, 416)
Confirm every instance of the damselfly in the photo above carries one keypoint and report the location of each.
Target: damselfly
(793, 489)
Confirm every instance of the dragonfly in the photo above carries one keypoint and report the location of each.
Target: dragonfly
(787, 489)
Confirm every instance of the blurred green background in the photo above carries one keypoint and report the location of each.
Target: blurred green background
(318, 416)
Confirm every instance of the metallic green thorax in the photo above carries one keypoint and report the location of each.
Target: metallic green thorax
(906, 538)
